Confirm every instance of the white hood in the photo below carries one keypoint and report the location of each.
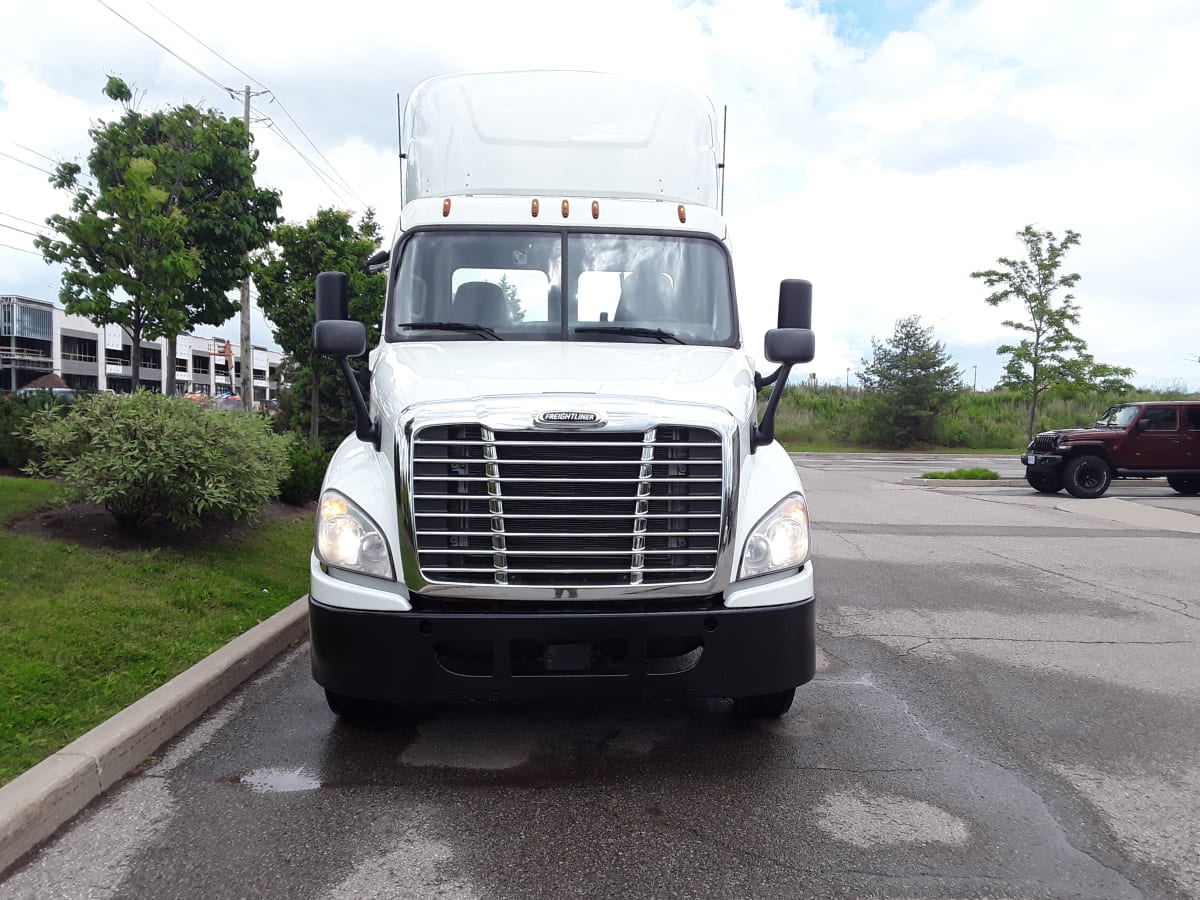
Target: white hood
(409, 374)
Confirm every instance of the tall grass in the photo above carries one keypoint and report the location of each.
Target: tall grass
(832, 417)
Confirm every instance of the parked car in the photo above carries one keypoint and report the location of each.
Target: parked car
(1148, 439)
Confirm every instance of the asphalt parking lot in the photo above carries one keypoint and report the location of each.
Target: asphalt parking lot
(1007, 707)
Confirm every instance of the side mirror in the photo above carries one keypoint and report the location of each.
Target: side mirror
(795, 304)
(340, 338)
(790, 345)
(336, 334)
(333, 296)
(1143, 425)
(792, 342)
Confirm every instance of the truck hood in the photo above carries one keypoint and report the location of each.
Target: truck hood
(1085, 434)
(408, 374)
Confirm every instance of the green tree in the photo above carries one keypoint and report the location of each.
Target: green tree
(286, 279)
(161, 228)
(1050, 353)
(515, 312)
(907, 382)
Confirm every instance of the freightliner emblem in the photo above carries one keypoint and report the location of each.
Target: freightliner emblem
(568, 418)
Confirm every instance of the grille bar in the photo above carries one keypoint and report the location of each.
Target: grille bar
(643, 507)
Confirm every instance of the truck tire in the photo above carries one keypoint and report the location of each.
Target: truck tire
(1185, 484)
(764, 706)
(356, 709)
(1087, 477)
(1044, 482)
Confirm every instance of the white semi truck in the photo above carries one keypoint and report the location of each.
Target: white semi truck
(560, 486)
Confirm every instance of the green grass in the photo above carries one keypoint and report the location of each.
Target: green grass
(83, 633)
(977, 474)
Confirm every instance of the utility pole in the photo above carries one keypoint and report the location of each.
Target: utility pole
(247, 354)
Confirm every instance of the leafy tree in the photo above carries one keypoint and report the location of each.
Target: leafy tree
(1051, 353)
(515, 312)
(161, 228)
(286, 280)
(907, 382)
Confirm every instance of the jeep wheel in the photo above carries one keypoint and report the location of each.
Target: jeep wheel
(1044, 482)
(1185, 484)
(1087, 477)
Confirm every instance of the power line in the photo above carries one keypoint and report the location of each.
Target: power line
(206, 47)
(22, 249)
(15, 228)
(24, 163)
(26, 221)
(36, 153)
(274, 99)
(194, 68)
(308, 162)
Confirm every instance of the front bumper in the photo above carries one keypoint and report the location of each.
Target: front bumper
(437, 656)
(1043, 461)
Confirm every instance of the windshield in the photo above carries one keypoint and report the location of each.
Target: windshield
(1117, 417)
(553, 286)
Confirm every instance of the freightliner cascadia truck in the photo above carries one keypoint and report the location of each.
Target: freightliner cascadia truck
(560, 486)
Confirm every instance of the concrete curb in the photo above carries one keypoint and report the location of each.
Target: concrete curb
(37, 802)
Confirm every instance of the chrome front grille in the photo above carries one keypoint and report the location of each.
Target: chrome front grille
(567, 509)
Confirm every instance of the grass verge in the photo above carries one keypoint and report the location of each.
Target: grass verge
(85, 632)
(976, 474)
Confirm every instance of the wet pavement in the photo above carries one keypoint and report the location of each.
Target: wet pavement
(1006, 707)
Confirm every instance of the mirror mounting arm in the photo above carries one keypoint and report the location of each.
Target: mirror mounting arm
(764, 432)
(762, 381)
(365, 429)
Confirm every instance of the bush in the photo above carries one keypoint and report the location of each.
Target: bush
(303, 482)
(977, 474)
(15, 449)
(150, 459)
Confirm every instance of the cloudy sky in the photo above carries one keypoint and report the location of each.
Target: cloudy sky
(883, 149)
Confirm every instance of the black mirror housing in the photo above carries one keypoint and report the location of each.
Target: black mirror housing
(333, 296)
(790, 345)
(340, 338)
(795, 304)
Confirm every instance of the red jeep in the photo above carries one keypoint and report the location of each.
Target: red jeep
(1147, 439)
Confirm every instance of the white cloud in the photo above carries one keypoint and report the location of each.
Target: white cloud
(885, 171)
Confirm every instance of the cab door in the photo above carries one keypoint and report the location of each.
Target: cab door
(1191, 436)
(1157, 441)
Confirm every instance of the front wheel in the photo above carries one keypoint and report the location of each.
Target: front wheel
(764, 706)
(1044, 482)
(1087, 477)
(1185, 484)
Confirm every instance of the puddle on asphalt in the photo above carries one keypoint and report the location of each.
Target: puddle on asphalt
(279, 781)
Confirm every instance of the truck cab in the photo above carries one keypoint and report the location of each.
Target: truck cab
(561, 485)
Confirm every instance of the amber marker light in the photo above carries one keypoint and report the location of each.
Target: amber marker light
(446, 207)
(533, 208)
(566, 209)
(595, 209)
(682, 212)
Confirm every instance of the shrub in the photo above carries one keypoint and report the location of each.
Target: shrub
(15, 449)
(303, 482)
(977, 474)
(150, 459)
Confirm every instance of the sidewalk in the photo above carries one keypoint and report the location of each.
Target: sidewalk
(40, 800)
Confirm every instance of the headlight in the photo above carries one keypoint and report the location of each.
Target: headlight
(780, 540)
(347, 538)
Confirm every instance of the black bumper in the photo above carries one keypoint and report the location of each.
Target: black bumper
(1043, 462)
(419, 657)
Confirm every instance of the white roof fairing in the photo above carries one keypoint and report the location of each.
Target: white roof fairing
(560, 134)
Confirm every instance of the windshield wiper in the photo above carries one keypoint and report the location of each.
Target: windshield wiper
(663, 336)
(489, 333)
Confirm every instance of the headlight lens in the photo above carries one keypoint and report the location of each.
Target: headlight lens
(780, 540)
(347, 538)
